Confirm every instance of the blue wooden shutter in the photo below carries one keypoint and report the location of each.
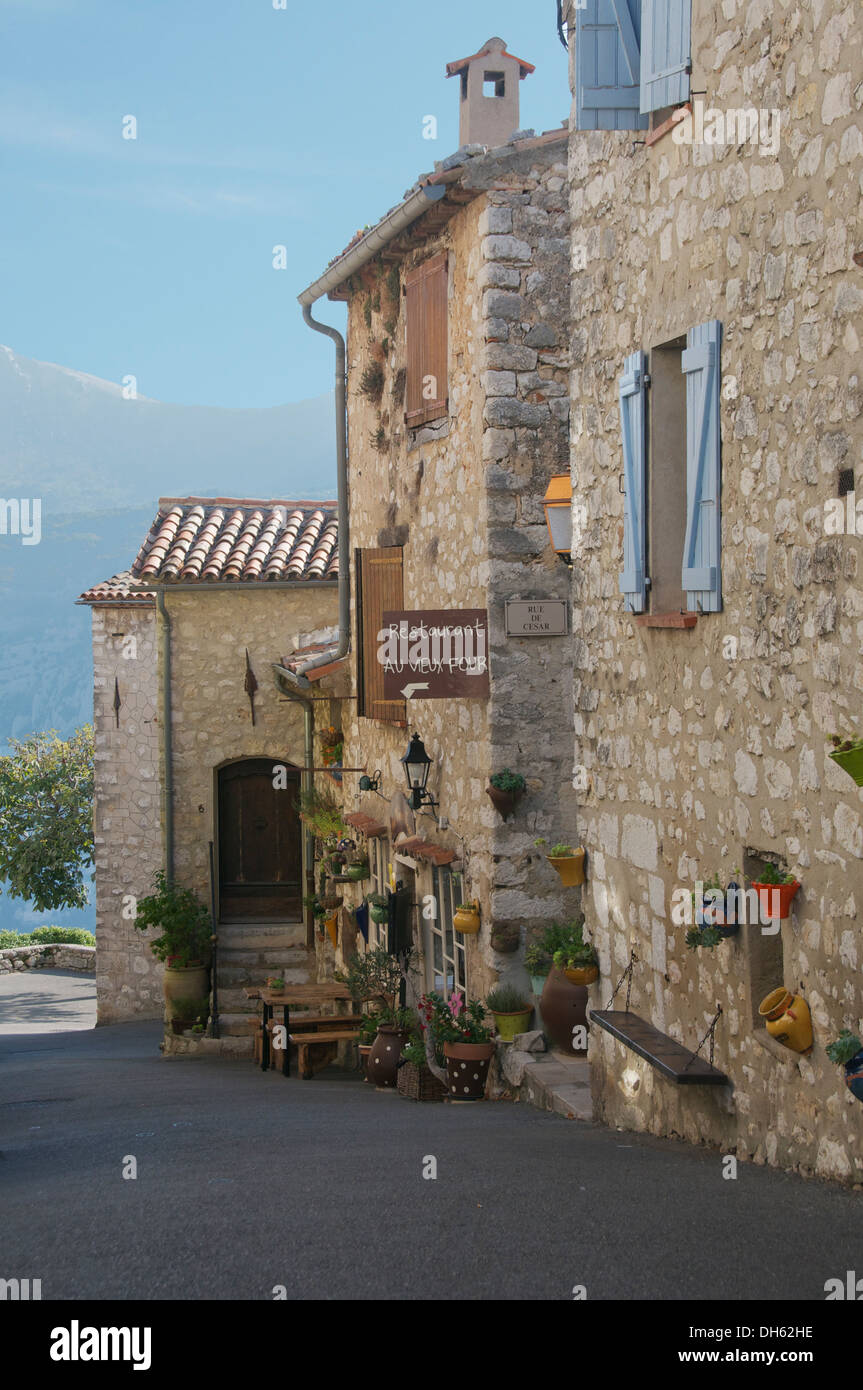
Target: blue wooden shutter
(665, 53)
(607, 65)
(702, 548)
(633, 582)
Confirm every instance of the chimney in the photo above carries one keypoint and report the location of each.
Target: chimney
(489, 93)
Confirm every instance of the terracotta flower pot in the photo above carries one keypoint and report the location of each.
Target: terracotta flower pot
(185, 982)
(382, 1066)
(583, 974)
(563, 1006)
(570, 867)
(788, 1019)
(772, 896)
(467, 1067)
(504, 802)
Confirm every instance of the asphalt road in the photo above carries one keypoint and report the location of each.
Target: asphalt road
(247, 1181)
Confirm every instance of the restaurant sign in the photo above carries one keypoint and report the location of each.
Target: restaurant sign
(435, 654)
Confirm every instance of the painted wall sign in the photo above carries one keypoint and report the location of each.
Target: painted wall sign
(540, 617)
(435, 654)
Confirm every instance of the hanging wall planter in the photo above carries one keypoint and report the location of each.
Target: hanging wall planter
(788, 1019)
(332, 926)
(847, 1050)
(568, 861)
(505, 790)
(775, 893)
(505, 940)
(848, 754)
(355, 873)
(466, 918)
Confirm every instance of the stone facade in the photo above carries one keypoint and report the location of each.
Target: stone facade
(59, 957)
(706, 749)
(463, 496)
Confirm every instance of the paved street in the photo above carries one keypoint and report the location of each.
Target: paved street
(246, 1181)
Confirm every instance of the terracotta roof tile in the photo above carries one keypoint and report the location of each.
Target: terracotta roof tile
(116, 590)
(461, 63)
(367, 824)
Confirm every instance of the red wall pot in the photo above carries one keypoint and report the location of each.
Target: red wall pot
(467, 1067)
(766, 898)
(563, 1007)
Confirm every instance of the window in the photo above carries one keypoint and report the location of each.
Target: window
(443, 948)
(632, 57)
(674, 476)
(494, 84)
(380, 589)
(426, 290)
(379, 865)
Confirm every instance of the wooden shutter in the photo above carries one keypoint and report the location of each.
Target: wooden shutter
(426, 314)
(607, 65)
(381, 589)
(702, 546)
(665, 53)
(633, 582)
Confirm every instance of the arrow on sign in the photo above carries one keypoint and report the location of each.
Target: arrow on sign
(408, 691)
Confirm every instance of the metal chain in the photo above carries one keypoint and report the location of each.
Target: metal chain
(711, 1034)
(627, 973)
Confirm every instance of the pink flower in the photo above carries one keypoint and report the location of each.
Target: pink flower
(456, 1003)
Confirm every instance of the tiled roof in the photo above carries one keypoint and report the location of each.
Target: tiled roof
(370, 827)
(297, 660)
(116, 590)
(229, 539)
(461, 63)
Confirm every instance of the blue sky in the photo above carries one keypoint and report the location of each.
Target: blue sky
(255, 127)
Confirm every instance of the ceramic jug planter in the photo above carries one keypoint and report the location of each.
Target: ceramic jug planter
(854, 1075)
(382, 1066)
(355, 873)
(467, 1067)
(466, 918)
(775, 899)
(185, 982)
(563, 1007)
(570, 867)
(379, 914)
(788, 1019)
(510, 1025)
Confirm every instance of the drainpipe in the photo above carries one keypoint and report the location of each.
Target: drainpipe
(167, 744)
(308, 775)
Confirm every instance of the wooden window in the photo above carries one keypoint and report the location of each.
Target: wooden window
(426, 290)
(379, 863)
(443, 947)
(379, 590)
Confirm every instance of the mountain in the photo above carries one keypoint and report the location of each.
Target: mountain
(99, 464)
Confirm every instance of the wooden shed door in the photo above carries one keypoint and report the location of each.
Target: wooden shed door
(260, 846)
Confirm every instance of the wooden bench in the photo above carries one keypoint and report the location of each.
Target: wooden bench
(305, 1042)
(301, 996)
(669, 1058)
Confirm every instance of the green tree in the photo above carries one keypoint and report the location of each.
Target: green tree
(46, 818)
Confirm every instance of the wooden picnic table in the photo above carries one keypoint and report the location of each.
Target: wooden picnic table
(297, 994)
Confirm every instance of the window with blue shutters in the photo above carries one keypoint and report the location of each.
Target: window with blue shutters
(633, 580)
(702, 571)
(608, 65)
(665, 53)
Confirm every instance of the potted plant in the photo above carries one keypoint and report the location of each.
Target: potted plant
(848, 754)
(315, 906)
(564, 1001)
(568, 861)
(788, 1019)
(377, 975)
(467, 1043)
(505, 938)
(322, 817)
(466, 918)
(505, 789)
(358, 869)
(511, 1011)
(537, 963)
(775, 890)
(415, 1080)
(368, 1031)
(183, 1013)
(185, 929)
(332, 745)
(579, 963)
(379, 908)
(276, 982)
(394, 1031)
(847, 1051)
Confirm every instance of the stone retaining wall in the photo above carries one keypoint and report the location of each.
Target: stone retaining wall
(54, 957)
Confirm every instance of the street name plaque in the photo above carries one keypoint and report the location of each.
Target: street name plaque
(541, 617)
(434, 654)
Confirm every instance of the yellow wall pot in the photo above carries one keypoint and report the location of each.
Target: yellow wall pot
(466, 918)
(332, 926)
(582, 974)
(788, 1019)
(570, 867)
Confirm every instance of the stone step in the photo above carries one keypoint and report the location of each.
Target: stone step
(286, 958)
(261, 936)
(233, 1025)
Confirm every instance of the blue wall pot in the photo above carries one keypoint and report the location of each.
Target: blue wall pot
(854, 1075)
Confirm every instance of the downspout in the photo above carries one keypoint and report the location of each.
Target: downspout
(308, 776)
(167, 743)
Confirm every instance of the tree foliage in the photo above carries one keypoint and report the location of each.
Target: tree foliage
(46, 818)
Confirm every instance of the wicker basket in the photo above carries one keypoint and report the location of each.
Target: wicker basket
(417, 1083)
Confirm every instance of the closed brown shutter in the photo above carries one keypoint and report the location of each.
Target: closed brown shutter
(427, 388)
(381, 590)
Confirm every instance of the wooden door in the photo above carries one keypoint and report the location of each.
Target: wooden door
(260, 843)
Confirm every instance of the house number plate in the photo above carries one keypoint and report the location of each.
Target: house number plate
(541, 617)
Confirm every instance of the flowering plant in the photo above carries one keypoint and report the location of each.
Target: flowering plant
(453, 1020)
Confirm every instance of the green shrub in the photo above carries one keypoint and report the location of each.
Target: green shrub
(9, 939)
(504, 999)
(507, 781)
(62, 936)
(846, 1046)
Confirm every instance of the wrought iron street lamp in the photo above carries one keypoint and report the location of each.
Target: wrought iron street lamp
(417, 762)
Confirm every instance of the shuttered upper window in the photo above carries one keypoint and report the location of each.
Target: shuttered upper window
(426, 315)
(380, 589)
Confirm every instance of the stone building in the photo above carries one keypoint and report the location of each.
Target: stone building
(457, 408)
(190, 724)
(715, 170)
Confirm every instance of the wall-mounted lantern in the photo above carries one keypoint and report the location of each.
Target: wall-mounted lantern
(417, 762)
(558, 514)
(371, 784)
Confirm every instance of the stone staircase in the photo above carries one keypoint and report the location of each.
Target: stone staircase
(248, 953)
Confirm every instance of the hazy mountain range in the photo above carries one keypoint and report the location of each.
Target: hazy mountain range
(99, 464)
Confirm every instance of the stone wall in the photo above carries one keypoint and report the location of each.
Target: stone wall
(706, 748)
(50, 957)
(127, 817)
(464, 497)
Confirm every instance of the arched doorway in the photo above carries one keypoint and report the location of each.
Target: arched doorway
(260, 843)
